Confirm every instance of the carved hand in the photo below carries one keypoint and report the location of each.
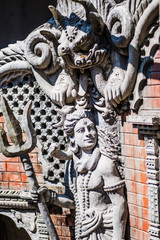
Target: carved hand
(48, 195)
(113, 94)
(54, 149)
(114, 88)
(58, 93)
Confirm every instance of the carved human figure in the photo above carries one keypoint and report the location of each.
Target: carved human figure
(98, 197)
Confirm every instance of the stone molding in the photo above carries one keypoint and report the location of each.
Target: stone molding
(18, 206)
(16, 199)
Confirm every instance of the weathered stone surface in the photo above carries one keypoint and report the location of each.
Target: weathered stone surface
(88, 59)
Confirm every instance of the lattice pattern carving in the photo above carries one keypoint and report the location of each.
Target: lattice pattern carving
(18, 93)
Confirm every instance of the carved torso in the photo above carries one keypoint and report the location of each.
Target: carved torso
(92, 201)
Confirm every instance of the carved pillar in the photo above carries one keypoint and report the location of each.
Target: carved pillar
(149, 128)
(152, 163)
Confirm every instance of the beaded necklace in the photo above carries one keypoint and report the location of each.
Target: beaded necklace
(85, 202)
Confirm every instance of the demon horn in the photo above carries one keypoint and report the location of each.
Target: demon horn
(57, 16)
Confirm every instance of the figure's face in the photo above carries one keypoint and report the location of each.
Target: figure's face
(85, 134)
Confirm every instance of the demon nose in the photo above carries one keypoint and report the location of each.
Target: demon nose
(63, 50)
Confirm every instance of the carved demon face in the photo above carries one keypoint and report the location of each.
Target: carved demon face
(75, 43)
(79, 42)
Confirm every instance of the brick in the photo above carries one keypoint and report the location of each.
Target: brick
(138, 211)
(24, 137)
(136, 187)
(134, 151)
(59, 230)
(152, 91)
(135, 163)
(4, 185)
(5, 159)
(24, 178)
(15, 167)
(66, 232)
(57, 220)
(138, 234)
(38, 168)
(151, 103)
(11, 177)
(40, 178)
(2, 166)
(155, 78)
(128, 128)
(63, 221)
(137, 176)
(1, 119)
(17, 186)
(138, 199)
(139, 223)
(133, 139)
(1, 177)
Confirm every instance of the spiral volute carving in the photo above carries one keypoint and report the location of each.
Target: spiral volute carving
(41, 52)
(120, 26)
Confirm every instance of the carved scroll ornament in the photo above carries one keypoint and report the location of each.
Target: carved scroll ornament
(88, 59)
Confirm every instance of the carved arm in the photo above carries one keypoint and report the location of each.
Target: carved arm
(61, 92)
(55, 151)
(98, 79)
(64, 201)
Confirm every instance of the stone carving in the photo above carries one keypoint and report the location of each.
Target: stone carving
(88, 59)
(92, 176)
(21, 149)
(29, 219)
(42, 229)
(43, 116)
(152, 163)
(16, 199)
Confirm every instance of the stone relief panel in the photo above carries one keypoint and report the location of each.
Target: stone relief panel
(81, 69)
(18, 206)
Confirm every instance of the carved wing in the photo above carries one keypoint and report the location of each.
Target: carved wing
(13, 62)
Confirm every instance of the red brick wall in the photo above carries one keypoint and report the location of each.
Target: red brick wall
(133, 151)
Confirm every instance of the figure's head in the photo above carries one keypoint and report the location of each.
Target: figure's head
(80, 129)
